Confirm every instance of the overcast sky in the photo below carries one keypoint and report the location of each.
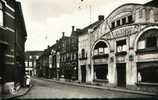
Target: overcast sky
(46, 19)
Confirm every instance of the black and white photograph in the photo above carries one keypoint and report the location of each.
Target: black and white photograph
(78, 49)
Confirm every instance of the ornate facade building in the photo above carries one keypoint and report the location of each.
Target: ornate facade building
(123, 49)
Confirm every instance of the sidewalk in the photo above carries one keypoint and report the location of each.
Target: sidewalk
(103, 87)
(22, 91)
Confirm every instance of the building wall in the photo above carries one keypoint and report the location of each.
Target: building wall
(122, 31)
(31, 58)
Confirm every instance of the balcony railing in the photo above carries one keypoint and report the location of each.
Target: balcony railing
(83, 58)
(147, 50)
(100, 56)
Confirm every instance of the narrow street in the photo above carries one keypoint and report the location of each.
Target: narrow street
(49, 89)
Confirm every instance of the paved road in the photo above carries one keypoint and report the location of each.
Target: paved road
(50, 89)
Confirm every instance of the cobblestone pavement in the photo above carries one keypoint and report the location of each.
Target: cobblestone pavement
(50, 89)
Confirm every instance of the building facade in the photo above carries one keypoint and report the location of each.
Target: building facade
(123, 49)
(60, 60)
(31, 58)
(12, 43)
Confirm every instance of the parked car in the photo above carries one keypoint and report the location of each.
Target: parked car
(27, 80)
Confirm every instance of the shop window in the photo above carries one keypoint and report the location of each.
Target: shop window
(151, 42)
(101, 72)
(148, 75)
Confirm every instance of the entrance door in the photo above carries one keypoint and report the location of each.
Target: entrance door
(121, 74)
(83, 73)
(2, 60)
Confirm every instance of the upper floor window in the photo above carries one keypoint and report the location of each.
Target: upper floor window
(83, 53)
(113, 25)
(1, 14)
(118, 23)
(30, 57)
(148, 39)
(123, 21)
(121, 45)
(140, 13)
(151, 42)
(130, 19)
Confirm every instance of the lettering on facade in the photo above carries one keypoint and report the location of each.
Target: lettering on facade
(120, 32)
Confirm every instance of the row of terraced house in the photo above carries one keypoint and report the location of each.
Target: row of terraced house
(120, 50)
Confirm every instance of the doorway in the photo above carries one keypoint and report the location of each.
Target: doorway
(121, 74)
(83, 73)
(2, 63)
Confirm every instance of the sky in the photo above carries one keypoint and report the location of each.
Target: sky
(46, 19)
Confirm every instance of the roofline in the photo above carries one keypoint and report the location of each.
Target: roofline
(126, 4)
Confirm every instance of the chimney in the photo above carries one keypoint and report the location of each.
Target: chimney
(73, 28)
(101, 17)
(78, 30)
(63, 34)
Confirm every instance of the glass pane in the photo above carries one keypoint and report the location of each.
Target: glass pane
(141, 44)
(1, 18)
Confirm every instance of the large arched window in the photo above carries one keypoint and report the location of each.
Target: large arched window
(148, 39)
(101, 48)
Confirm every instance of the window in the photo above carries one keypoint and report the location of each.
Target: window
(95, 51)
(1, 15)
(101, 51)
(30, 57)
(140, 13)
(123, 21)
(37, 57)
(83, 53)
(121, 45)
(113, 25)
(118, 23)
(151, 42)
(141, 44)
(30, 64)
(130, 19)
(106, 50)
(26, 65)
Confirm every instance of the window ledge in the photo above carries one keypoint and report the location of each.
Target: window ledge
(121, 53)
(146, 84)
(100, 80)
(84, 58)
(100, 56)
(147, 50)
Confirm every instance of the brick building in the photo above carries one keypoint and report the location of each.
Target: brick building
(30, 62)
(12, 43)
(60, 60)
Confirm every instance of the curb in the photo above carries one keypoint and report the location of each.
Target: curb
(107, 88)
(15, 96)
